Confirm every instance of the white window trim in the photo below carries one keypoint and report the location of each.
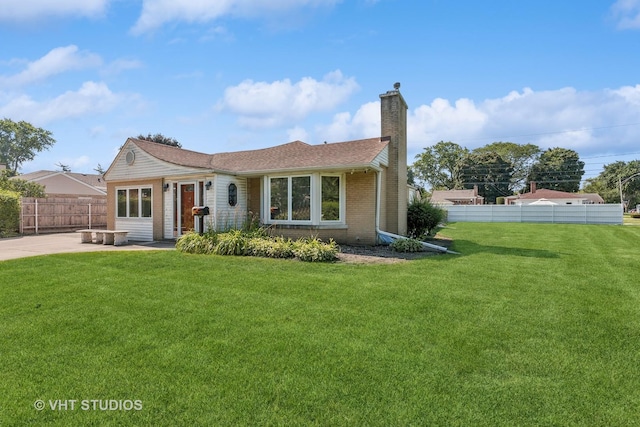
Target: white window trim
(140, 217)
(316, 200)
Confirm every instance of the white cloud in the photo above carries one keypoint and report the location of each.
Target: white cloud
(91, 98)
(56, 61)
(155, 13)
(262, 104)
(120, 65)
(297, 134)
(365, 123)
(588, 122)
(29, 10)
(627, 14)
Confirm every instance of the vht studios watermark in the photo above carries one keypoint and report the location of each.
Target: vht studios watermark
(88, 405)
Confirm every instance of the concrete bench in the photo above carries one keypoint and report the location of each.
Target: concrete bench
(105, 237)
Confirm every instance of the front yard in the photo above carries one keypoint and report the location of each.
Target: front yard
(531, 325)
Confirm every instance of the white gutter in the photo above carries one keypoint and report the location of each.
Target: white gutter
(397, 236)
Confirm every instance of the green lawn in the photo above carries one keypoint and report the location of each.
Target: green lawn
(531, 325)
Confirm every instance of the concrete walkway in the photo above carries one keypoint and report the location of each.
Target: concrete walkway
(25, 246)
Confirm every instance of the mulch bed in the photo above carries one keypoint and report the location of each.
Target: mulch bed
(384, 255)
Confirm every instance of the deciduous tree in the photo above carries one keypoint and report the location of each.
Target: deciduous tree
(558, 169)
(437, 165)
(489, 171)
(160, 139)
(521, 156)
(20, 142)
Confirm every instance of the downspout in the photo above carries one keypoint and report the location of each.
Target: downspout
(397, 236)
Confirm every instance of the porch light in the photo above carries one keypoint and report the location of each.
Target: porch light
(208, 185)
(166, 187)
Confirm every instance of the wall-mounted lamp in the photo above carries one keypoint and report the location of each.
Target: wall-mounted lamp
(166, 187)
(208, 185)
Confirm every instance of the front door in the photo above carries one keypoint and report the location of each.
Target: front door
(187, 201)
(184, 198)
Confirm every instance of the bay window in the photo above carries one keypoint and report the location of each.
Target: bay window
(305, 199)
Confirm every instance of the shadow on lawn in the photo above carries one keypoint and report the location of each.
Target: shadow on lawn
(467, 247)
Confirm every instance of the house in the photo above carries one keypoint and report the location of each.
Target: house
(348, 191)
(58, 183)
(553, 197)
(457, 197)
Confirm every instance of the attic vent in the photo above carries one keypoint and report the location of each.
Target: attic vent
(130, 157)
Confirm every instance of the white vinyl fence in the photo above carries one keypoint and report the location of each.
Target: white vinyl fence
(571, 214)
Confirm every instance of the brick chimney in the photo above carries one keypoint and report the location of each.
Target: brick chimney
(533, 187)
(393, 114)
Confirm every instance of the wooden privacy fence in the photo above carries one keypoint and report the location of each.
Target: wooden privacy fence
(56, 214)
(571, 214)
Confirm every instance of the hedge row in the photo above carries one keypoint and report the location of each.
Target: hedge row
(9, 212)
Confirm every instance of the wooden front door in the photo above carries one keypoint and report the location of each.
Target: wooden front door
(187, 201)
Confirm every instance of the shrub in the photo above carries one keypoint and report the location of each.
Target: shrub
(194, 243)
(233, 242)
(275, 247)
(423, 217)
(9, 212)
(635, 215)
(407, 245)
(314, 250)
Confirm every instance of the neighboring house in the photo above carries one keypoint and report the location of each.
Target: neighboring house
(553, 197)
(67, 183)
(457, 197)
(348, 191)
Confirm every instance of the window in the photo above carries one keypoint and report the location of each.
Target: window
(233, 194)
(279, 198)
(134, 203)
(330, 198)
(293, 199)
(301, 198)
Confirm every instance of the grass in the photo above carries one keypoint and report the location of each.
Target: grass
(532, 325)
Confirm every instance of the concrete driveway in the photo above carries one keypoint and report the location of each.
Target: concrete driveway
(25, 246)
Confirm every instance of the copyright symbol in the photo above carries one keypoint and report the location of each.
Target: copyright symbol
(39, 405)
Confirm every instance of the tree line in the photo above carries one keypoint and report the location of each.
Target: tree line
(506, 168)
(498, 169)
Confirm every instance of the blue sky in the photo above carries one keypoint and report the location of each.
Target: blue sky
(228, 75)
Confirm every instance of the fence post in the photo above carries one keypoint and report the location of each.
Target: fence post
(36, 220)
(89, 215)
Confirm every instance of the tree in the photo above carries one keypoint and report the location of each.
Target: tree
(437, 165)
(489, 171)
(19, 143)
(63, 168)
(606, 184)
(558, 169)
(23, 187)
(99, 169)
(521, 157)
(160, 139)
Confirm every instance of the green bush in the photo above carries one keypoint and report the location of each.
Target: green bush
(500, 200)
(233, 242)
(423, 217)
(276, 247)
(257, 243)
(194, 243)
(635, 215)
(407, 245)
(314, 250)
(9, 212)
